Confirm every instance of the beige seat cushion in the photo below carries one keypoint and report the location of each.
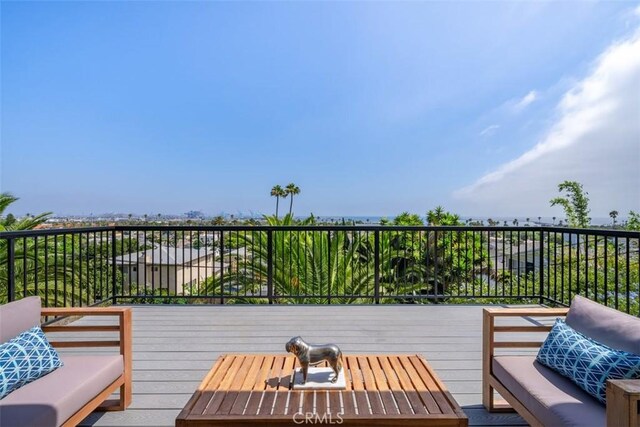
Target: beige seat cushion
(550, 397)
(51, 400)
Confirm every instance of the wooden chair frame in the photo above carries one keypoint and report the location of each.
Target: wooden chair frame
(623, 396)
(99, 402)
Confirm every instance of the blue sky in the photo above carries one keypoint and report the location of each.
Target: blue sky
(370, 108)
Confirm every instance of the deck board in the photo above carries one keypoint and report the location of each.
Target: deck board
(175, 346)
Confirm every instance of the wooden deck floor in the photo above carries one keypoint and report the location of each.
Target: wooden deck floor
(175, 346)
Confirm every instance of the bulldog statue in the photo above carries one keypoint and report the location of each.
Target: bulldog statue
(312, 355)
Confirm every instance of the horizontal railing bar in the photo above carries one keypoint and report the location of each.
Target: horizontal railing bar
(72, 328)
(52, 231)
(540, 328)
(526, 312)
(79, 344)
(82, 311)
(517, 344)
(333, 227)
(57, 318)
(217, 296)
(590, 231)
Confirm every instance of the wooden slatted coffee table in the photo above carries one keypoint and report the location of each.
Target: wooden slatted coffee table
(389, 390)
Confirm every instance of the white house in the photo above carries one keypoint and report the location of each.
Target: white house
(168, 267)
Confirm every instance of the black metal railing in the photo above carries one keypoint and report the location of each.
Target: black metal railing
(321, 265)
(66, 267)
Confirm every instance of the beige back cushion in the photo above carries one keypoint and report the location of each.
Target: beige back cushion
(607, 326)
(18, 316)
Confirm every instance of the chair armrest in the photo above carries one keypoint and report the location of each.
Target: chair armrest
(527, 311)
(489, 328)
(623, 403)
(123, 327)
(123, 342)
(84, 311)
(490, 344)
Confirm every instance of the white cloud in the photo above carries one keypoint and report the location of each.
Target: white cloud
(489, 130)
(595, 139)
(525, 101)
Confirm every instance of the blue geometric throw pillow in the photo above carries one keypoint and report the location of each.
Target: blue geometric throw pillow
(586, 362)
(26, 358)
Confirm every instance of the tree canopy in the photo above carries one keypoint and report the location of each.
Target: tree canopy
(575, 203)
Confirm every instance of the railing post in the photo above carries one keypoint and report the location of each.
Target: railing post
(541, 267)
(270, 265)
(11, 265)
(221, 267)
(113, 266)
(376, 266)
(435, 265)
(329, 267)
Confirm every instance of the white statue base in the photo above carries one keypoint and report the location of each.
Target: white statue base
(319, 379)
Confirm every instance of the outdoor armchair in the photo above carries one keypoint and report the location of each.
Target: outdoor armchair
(539, 394)
(84, 383)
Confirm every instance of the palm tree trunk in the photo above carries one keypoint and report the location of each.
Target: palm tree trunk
(277, 203)
(290, 204)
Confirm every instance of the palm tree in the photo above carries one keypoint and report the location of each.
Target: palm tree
(35, 266)
(9, 219)
(26, 223)
(292, 190)
(554, 220)
(316, 266)
(435, 216)
(613, 214)
(277, 192)
(307, 266)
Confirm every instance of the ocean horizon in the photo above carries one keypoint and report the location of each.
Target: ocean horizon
(366, 219)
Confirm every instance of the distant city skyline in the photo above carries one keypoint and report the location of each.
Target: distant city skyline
(370, 108)
(153, 217)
